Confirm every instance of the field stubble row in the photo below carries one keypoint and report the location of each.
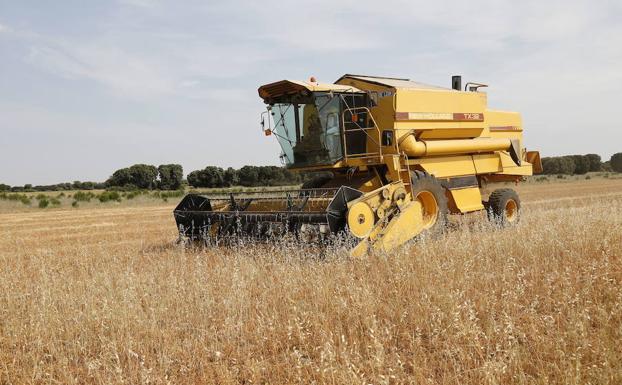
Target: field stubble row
(104, 296)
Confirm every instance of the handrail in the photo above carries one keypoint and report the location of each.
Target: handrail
(359, 128)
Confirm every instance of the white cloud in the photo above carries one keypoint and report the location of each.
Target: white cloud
(139, 3)
(124, 73)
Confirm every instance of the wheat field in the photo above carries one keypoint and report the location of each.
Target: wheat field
(104, 296)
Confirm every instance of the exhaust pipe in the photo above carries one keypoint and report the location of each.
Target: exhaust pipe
(456, 82)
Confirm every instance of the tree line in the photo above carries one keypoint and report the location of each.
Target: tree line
(136, 177)
(77, 185)
(147, 177)
(171, 176)
(580, 164)
(247, 176)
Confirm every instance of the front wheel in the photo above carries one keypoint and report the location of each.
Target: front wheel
(429, 192)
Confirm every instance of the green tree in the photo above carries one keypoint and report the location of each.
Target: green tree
(606, 166)
(566, 165)
(249, 176)
(551, 166)
(231, 177)
(214, 176)
(143, 176)
(616, 162)
(5, 187)
(595, 162)
(120, 178)
(88, 185)
(170, 176)
(581, 164)
(270, 176)
(210, 176)
(194, 178)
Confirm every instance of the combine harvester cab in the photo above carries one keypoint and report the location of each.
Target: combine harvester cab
(402, 155)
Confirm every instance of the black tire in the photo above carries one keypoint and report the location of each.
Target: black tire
(423, 182)
(504, 207)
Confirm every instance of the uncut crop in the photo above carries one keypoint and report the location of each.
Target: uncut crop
(104, 296)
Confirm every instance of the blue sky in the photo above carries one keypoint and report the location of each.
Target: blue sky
(89, 87)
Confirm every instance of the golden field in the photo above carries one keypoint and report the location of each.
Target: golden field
(103, 295)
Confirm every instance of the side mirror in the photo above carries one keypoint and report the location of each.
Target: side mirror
(267, 131)
(263, 121)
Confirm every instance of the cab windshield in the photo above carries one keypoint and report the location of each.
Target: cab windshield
(308, 129)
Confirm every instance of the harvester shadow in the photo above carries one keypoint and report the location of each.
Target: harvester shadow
(161, 247)
(256, 250)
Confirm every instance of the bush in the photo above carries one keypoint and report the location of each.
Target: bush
(55, 202)
(107, 196)
(164, 195)
(616, 162)
(43, 203)
(81, 196)
(77, 185)
(74, 204)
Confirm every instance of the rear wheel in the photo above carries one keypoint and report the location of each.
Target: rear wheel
(429, 192)
(504, 207)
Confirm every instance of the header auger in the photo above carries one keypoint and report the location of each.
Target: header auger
(402, 155)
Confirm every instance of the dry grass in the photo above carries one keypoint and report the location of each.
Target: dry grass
(102, 296)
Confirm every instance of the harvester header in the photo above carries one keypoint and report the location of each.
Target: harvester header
(397, 157)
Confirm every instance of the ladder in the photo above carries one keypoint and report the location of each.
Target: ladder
(404, 172)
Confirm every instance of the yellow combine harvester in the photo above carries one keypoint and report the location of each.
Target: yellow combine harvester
(401, 155)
